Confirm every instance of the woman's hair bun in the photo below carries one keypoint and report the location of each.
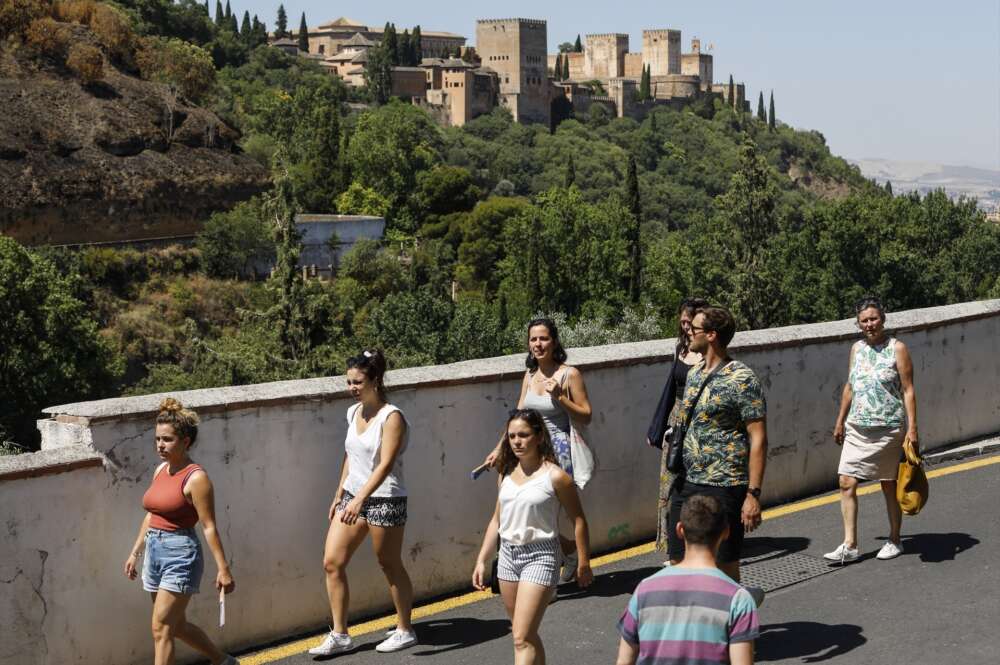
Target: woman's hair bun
(171, 405)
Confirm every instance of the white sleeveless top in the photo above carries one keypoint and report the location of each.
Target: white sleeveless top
(364, 454)
(528, 512)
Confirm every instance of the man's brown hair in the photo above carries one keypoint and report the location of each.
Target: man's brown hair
(703, 520)
(719, 321)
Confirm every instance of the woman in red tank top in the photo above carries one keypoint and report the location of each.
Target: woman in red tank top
(179, 497)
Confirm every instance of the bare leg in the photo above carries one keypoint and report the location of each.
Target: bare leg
(342, 541)
(525, 603)
(388, 545)
(169, 623)
(895, 512)
(849, 509)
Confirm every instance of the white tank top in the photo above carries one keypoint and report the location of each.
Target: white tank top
(364, 454)
(528, 512)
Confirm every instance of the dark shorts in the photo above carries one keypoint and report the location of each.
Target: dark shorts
(731, 499)
(383, 511)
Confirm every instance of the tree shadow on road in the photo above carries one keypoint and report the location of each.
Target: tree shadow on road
(609, 585)
(938, 547)
(456, 633)
(811, 641)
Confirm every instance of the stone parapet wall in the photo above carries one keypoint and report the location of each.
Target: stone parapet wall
(274, 453)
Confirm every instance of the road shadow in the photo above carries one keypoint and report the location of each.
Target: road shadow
(446, 634)
(609, 585)
(765, 548)
(938, 547)
(811, 641)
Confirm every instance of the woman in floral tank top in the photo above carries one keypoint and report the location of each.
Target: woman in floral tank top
(878, 394)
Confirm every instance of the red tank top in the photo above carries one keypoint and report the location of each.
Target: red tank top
(166, 502)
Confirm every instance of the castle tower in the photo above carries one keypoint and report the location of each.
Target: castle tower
(516, 48)
(661, 51)
(698, 64)
(604, 55)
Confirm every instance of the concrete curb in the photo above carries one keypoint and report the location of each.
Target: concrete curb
(964, 450)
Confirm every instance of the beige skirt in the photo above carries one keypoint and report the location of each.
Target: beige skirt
(871, 453)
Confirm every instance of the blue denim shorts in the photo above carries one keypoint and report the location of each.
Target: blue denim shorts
(173, 561)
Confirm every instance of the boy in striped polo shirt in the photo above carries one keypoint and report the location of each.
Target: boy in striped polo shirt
(691, 613)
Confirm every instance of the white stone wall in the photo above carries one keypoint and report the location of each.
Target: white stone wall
(274, 453)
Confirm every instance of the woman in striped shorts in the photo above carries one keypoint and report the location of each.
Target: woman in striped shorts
(532, 487)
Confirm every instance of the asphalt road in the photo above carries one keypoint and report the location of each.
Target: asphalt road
(937, 603)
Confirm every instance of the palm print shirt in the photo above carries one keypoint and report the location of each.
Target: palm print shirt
(877, 392)
(717, 447)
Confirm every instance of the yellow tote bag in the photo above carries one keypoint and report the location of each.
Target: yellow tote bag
(911, 481)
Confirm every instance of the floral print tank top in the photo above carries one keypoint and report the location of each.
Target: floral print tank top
(878, 392)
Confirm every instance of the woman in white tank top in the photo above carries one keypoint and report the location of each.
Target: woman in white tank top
(370, 498)
(532, 489)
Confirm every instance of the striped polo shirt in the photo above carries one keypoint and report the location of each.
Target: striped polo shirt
(688, 616)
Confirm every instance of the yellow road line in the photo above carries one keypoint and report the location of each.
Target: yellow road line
(384, 623)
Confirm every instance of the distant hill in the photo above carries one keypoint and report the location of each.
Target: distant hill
(981, 184)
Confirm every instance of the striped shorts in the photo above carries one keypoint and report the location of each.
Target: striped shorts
(536, 562)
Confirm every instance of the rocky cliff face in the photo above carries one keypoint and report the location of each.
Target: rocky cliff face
(118, 160)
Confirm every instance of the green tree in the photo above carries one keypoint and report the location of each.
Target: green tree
(633, 237)
(233, 27)
(229, 12)
(748, 216)
(417, 45)
(53, 352)
(303, 34)
(566, 47)
(578, 45)
(246, 29)
(378, 74)
(557, 69)
(644, 85)
(360, 200)
(443, 190)
(281, 23)
(771, 121)
(731, 93)
(481, 248)
(565, 68)
(390, 43)
(390, 145)
(288, 314)
(888, 187)
(405, 53)
(236, 243)
(761, 114)
(220, 15)
(259, 33)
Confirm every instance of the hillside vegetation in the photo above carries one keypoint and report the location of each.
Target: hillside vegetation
(605, 224)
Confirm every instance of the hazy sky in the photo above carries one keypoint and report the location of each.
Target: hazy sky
(915, 80)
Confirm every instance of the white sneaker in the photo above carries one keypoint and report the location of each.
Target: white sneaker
(757, 594)
(333, 643)
(843, 554)
(889, 551)
(397, 641)
(569, 566)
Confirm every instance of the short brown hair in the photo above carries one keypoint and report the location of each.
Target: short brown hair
(703, 520)
(719, 321)
(184, 421)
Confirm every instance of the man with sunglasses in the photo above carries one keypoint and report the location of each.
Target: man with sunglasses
(725, 446)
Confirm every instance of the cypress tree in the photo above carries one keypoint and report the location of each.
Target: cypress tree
(570, 173)
(416, 43)
(458, 52)
(578, 46)
(391, 43)
(220, 16)
(404, 49)
(303, 34)
(281, 24)
(644, 93)
(557, 70)
(246, 30)
(732, 92)
(229, 12)
(232, 25)
(888, 187)
(761, 114)
(207, 11)
(770, 119)
(565, 70)
(635, 251)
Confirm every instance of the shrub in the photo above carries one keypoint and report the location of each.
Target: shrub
(74, 11)
(48, 37)
(17, 15)
(184, 66)
(86, 62)
(113, 30)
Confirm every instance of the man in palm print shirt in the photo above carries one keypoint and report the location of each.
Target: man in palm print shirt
(725, 448)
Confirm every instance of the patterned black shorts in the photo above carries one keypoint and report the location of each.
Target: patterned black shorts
(383, 511)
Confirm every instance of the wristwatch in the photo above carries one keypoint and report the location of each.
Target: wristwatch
(754, 492)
